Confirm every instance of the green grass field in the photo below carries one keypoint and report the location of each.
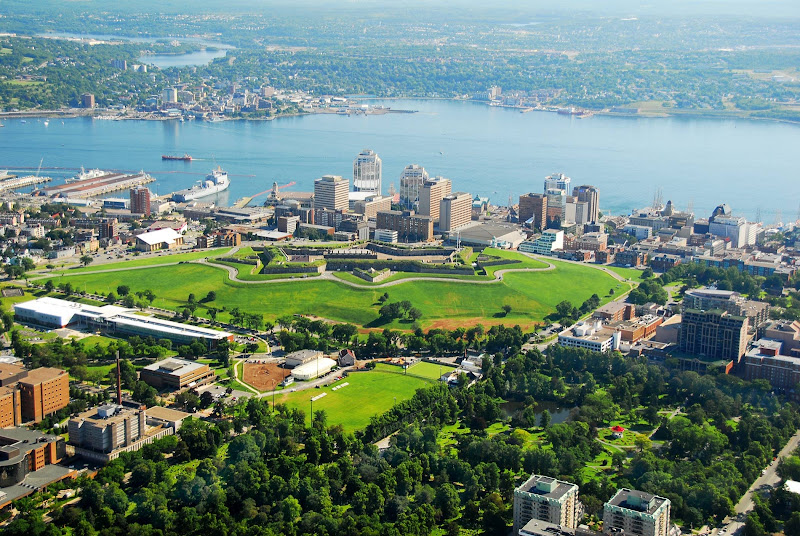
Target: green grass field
(369, 393)
(532, 295)
(147, 261)
(430, 371)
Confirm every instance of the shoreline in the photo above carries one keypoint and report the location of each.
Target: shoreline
(667, 113)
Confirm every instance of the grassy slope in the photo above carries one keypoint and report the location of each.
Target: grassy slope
(369, 393)
(532, 296)
(148, 261)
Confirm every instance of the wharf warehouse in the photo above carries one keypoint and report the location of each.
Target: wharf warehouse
(313, 369)
(55, 313)
(301, 357)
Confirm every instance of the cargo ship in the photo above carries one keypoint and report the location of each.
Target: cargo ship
(217, 181)
(185, 157)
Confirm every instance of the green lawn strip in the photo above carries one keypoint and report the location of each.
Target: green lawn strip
(525, 261)
(627, 273)
(368, 393)
(531, 295)
(149, 261)
(399, 276)
(245, 272)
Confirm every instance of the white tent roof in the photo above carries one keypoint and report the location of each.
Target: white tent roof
(158, 237)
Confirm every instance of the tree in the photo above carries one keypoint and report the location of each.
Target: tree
(414, 314)
(447, 500)
(211, 296)
(111, 298)
(49, 286)
(86, 260)
(544, 419)
(123, 290)
(506, 309)
(792, 525)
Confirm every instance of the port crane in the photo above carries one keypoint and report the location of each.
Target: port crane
(271, 200)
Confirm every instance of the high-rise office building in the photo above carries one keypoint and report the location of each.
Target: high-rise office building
(431, 195)
(411, 181)
(140, 200)
(591, 196)
(556, 205)
(546, 499)
(367, 172)
(455, 211)
(533, 206)
(557, 181)
(87, 100)
(330, 191)
(637, 513)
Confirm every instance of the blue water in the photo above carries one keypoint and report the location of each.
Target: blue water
(484, 150)
(164, 61)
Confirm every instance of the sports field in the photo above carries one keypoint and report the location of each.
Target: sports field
(531, 295)
(368, 393)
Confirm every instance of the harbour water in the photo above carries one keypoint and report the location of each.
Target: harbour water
(490, 151)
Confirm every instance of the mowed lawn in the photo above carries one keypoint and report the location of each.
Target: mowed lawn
(368, 393)
(149, 260)
(431, 371)
(532, 295)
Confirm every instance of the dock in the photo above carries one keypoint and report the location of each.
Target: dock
(109, 182)
(21, 182)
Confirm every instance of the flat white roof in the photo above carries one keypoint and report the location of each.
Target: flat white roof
(174, 366)
(167, 326)
(156, 237)
(792, 486)
(324, 364)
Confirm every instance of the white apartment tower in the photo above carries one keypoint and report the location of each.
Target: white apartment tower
(546, 499)
(367, 172)
(411, 181)
(637, 513)
(557, 181)
(331, 192)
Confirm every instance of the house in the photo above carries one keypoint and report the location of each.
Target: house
(346, 358)
(617, 432)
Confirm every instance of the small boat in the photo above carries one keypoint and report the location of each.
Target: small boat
(46, 122)
(185, 157)
(23, 121)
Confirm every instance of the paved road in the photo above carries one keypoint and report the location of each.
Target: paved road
(766, 482)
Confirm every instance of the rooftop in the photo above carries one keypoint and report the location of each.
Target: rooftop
(42, 374)
(166, 414)
(9, 372)
(174, 366)
(159, 236)
(639, 501)
(546, 486)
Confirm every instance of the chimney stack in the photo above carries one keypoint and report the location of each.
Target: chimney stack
(119, 382)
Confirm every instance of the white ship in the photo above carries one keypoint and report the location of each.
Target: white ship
(84, 175)
(214, 183)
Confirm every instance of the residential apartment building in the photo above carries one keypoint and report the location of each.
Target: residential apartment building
(10, 406)
(109, 228)
(367, 172)
(637, 513)
(727, 300)
(43, 391)
(410, 227)
(219, 239)
(550, 241)
(431, 195)
(546, 499)
(140, 200)
(455, 211)
(330, 192)
(766, 361)
(533, 206)
(714, 334)
(592, 242)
